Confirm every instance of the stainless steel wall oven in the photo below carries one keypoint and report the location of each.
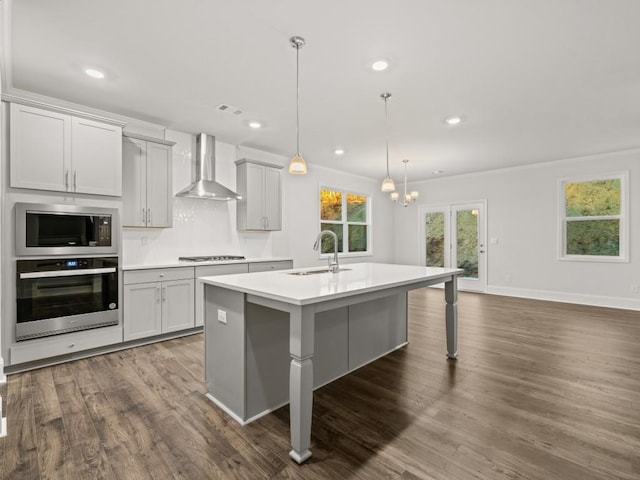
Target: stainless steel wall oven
(43, 229)
(63, 295)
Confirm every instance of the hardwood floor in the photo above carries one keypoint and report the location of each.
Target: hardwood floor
(541, 391)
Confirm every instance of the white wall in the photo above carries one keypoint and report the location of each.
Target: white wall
(522, 209)
(204, 227)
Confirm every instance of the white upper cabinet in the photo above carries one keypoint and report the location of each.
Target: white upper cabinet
(40, 144)
(53, 150)
(261, 205)
(96, 157)
(147, 182)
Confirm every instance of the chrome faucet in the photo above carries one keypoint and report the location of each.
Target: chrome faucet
(333, 264)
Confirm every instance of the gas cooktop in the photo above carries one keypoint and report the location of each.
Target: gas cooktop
(212, 258)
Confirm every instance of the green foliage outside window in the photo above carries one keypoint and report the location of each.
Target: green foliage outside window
(333, 205)
(434, 228)
(592, 217)
(467, 242)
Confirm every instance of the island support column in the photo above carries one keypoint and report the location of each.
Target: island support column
(301, 343)
(451, 312)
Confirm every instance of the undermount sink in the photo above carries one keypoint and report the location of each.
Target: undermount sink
(313, 272)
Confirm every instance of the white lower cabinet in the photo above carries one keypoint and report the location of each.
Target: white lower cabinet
(158, 301)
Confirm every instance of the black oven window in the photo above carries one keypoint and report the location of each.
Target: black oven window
(42, 298)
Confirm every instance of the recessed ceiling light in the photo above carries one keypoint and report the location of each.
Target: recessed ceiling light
(339, 151)
(94, 73)
(254, 124)
(453, 120)
(380, 65)
(438, 172)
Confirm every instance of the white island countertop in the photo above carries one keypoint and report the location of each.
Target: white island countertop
(355, 278)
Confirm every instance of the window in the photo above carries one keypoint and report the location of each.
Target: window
(594, 218)
(347, 215)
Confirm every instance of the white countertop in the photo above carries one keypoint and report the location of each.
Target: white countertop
(307, 289)
(177, 263)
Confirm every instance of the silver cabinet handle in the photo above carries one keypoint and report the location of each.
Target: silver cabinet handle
(66, 179)
(75, 180)
(149, 216)
(144, 216)
(157, 294)
(164, 294)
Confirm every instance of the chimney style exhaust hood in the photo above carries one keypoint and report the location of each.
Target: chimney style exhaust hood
(205, 185)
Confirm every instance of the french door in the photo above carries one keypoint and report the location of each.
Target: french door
(454, 236)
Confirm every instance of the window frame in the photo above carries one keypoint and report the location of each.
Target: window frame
(623, 218)
(345, 224)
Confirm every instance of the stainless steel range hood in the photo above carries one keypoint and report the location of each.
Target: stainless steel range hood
(205, 185)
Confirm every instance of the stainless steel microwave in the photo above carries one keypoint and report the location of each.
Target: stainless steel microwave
(43, 229)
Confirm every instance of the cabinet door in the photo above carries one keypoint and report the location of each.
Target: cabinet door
(159, 185)
(255, 197)
(177, 305)
(96, 156)
(134, 182)
(40, 143)
(272, 201)
(142, 316)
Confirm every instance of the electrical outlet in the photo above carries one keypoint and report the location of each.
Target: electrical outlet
(635, 288)
(507, 277)
(222, 316)
(493, 240)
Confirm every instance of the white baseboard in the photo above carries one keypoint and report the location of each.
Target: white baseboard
(567, 297)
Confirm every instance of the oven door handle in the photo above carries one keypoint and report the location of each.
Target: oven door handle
(66, 273)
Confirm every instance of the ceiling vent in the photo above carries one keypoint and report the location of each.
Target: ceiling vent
(223, 107)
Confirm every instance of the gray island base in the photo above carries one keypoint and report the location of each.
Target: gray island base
(271, 338)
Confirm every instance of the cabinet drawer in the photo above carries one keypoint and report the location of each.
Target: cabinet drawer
(211, 270)
(268, 266)
(67, 343)
(157, 275)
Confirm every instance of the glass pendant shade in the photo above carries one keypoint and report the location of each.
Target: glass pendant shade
(394, 196)
(297, 165)
(388, 185)
(415, 195)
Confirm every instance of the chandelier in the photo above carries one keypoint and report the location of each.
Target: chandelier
(407, 197)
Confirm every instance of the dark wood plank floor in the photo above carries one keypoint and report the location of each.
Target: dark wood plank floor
(541, 391)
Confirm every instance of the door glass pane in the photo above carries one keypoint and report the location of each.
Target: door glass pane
(467, 242)
(326, 245)
(434, 228)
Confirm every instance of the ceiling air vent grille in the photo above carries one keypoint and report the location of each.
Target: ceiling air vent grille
(223, 107)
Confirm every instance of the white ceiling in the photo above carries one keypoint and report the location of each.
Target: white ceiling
(536, 80)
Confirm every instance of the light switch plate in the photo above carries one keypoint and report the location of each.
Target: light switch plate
(222, 316)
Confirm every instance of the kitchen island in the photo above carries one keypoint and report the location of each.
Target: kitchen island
(271, 338)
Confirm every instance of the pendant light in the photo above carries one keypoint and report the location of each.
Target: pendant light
(297, 165)
(387, 183)
(408, 197)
